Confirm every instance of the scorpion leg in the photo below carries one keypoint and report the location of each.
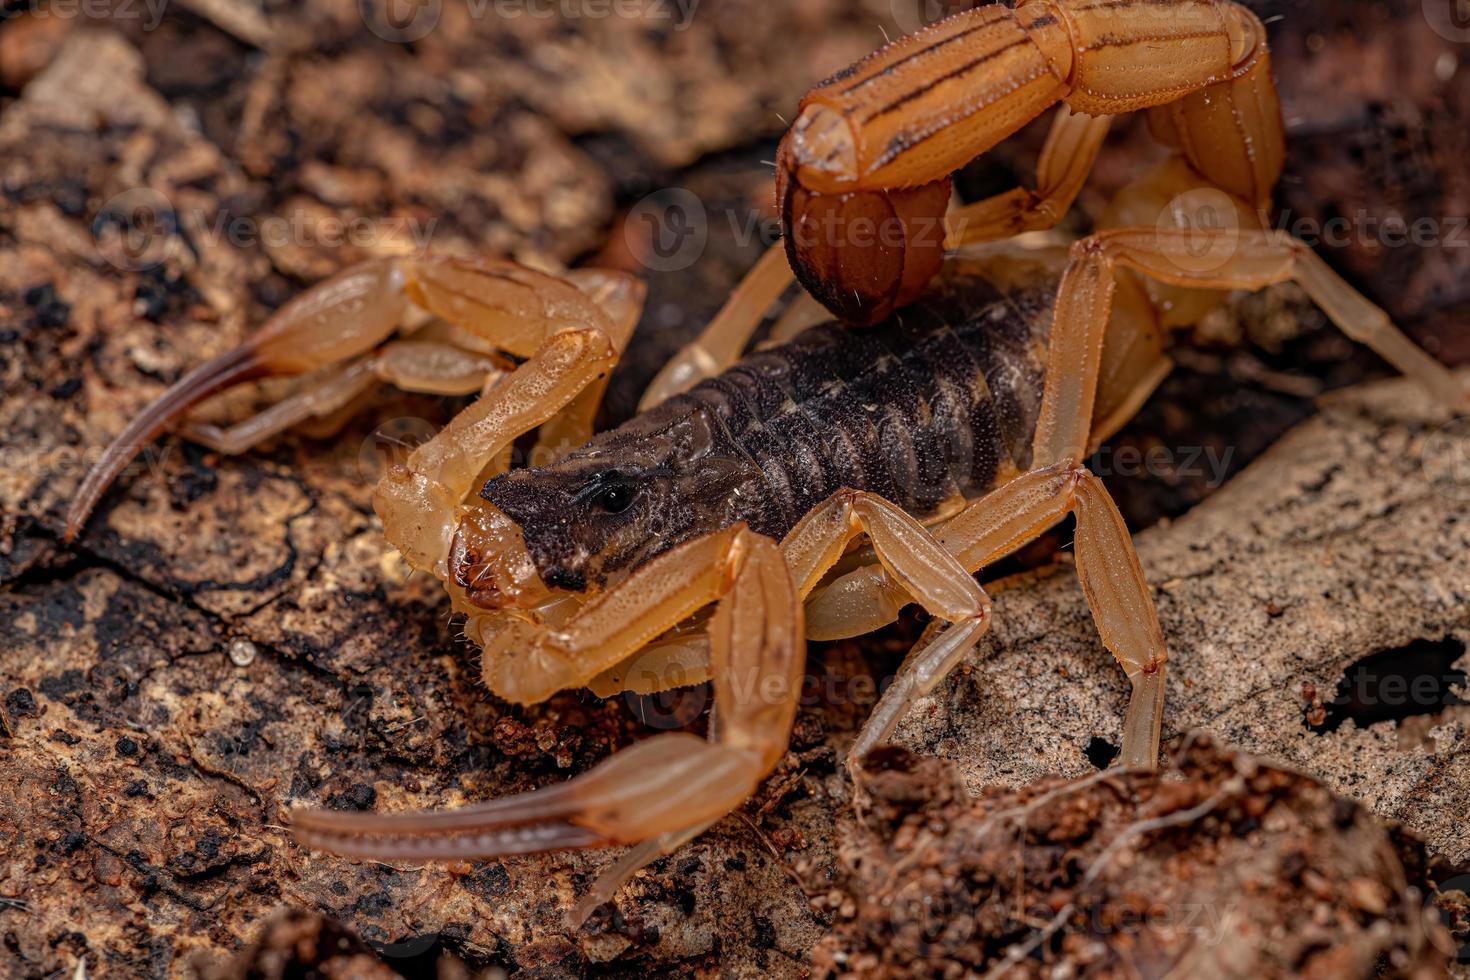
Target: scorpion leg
(338, 319)
(910, 555)
(723, 340)
(411, 365)
(621, 296)
(419, 502)
(1107, 564)
(924, 569)
(519, 309)
(1250, 259)
(665, 787)
(995, 525)
(802, 313)
(1071, 149)
(987, 530)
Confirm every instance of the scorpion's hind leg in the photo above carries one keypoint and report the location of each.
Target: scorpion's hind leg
(1251, 259)
(1107, 564)
(336, 320)
(987, 530)
(1016, 513)
(663, 789)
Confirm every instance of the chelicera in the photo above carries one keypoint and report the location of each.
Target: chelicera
(821, 483)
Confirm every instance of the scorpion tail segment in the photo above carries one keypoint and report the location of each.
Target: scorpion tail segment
(240, 364)
(668, 783)
(863, 279)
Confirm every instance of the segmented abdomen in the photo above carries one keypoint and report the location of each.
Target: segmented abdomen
(942, 399)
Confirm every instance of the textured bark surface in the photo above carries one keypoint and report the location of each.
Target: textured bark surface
(231, 636)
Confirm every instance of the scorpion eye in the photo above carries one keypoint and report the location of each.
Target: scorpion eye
(614, 497)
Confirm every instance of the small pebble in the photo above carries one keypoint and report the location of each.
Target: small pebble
(242, 653)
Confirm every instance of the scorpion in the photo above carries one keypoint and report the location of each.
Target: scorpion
(847, 468)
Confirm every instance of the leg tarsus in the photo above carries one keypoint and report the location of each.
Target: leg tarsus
(621, 871)
(1144, 721)
(933, 657)
(1107, 566)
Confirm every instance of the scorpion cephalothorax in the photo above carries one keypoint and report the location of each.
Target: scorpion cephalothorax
(937, 405)
(630, 494)
(817, 486)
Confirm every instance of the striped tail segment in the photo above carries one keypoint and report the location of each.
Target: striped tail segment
(924, 106)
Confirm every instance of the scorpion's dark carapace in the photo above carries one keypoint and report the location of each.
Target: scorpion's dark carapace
(937, 403)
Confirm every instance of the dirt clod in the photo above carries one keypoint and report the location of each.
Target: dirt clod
(1221, 865)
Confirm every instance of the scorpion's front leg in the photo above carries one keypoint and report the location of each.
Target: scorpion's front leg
(520, 310)
(662, 789)
(919, 566)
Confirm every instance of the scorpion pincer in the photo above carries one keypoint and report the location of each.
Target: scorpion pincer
(821, 483)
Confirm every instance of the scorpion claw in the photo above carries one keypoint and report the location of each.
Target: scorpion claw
(522, 824)
(212, 376)
(664, 784)
(339, 318)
